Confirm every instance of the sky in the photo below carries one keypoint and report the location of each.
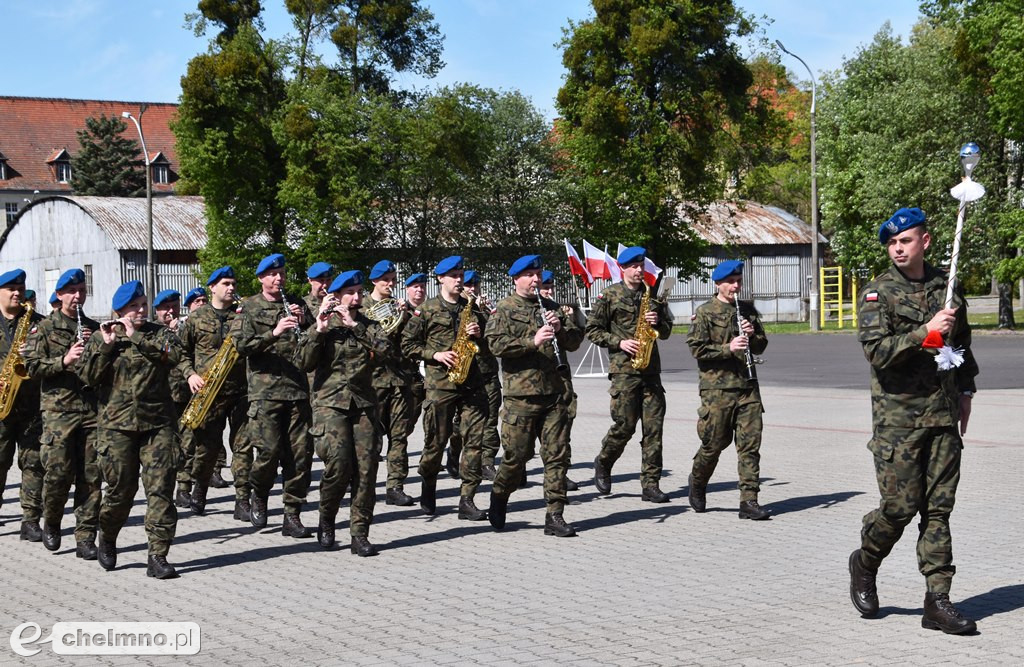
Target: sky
(138, 51)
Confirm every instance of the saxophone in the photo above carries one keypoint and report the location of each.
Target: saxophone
(13, 372)
(199, 405)
(463, 346)
(644, 334)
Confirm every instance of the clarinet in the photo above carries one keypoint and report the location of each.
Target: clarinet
(562, 365)
(80, 333)
(748, 355)
(288, 312)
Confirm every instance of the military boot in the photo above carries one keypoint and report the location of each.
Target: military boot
(361, 546)
(181, 498)
(940, 614)
(397, 496)
(243, 510)
(325, 531)
(652, 493)
(698, 496)
(496, 512)
(51, 536)
(197, 499)
(602, 477)
(159, 568)
(293, 526)
(469, 511)
(749, 509)
(86, 550)
(428, 495)
(106, 552)
(30, 532)
(863, 592)
(452, 464)
(555, 525)
(217, 480)
(571, 485)
(488, 472)
(258, 510)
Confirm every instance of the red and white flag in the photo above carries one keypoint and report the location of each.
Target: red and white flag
(614, 270)
(576, 267)
(596, 264)
(651, 270)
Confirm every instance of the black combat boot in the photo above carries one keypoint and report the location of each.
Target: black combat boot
(524, 480)
(243, 510)
(653, 494)
(159, 568)
(698, 496)
(863, 592)
(940, 614)
(293, 526)
(496, 512)
(397, 496)
(258, 510)
(428, 495)
(86, 550)
(452, 464)
(217, 480)
(488, 472)
(749, 509)
(555, 525)
(30, 532)
(181, 498)
(325, 531)
(361, 546)
(469, 511)
(197, 499)
(106, 552)
(51, 536)
(602, 477)
(571, 485)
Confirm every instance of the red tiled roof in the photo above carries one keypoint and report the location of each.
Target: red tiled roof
(34, 129)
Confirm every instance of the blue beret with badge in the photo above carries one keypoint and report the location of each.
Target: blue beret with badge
(12, 277)
(347, 279)
(54, 300)
(222, 272)
(124, 294)
(630, 255)
(471, 277)
(166, 296)
(901, 221)
(415, 278)
(547, 278)
(453, 263)
(319, 270)
(69, 278)
(193, 294)
(727, 268)
(275, 261)
(525, 263)
(381, 267)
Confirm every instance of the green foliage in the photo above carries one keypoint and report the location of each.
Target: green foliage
(229, 15)
(108, 164)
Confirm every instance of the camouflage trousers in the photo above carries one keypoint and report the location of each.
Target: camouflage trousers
(349, 443)
(279, 431)
(918, 471)
(723, 415)
(395, 405)
(524, 420)
(439, 412)
(226, 411)
(419, 394)
(492, 441)
(187, 444)
(635, 398)
(68, 454)
(121, 456)
(22, 431)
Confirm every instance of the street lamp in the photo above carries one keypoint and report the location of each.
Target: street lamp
(815, 324)
(150, 269)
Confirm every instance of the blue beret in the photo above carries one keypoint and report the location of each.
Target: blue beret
(547, 278)
(70, 277)
(54, 301)
(448, 264)
(470, 277)
(164, 296)
(275, 261)
(125, 293)
(633, 254)
(319, 270)
(30, 294)
(222, 272)
(193, 294)
(416, 278)
(523, 263)
(381, 267)
(346, 279)
(901, 221)
(727, 268)
(12, 277)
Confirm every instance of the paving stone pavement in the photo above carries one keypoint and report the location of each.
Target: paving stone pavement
(642, 584)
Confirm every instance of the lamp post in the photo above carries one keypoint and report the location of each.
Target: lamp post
(815, 324)
(150, 269)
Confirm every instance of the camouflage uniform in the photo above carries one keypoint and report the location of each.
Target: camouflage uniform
(279, 409)
(492, 387)
(346, 421)
(68, 448)
(181, 394)
(636, 394)
(202, 336)
(411, 368)
(136, 427)
(536, 404)
(433, 329)
(915, 412)
(22, 430)
(730, 405)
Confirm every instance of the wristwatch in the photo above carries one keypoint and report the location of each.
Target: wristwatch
(968, 394)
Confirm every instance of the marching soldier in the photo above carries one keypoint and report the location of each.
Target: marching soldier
(318, 275)
(23, 426)
(547, 290)
(530, 334)
(730, 401)
(202, 337)
(130, 361)
(415, 295)
(193, 301)
(430, 335)
(637, 394)
(279, 409)
(492, 386)
(342, 352)
(166, 312)
(68, 449)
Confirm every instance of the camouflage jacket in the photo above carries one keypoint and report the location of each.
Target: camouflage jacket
(134, 376)
(271, 370)
(613, 320)
(410, 365)
(714, 326)
(312, 302)
(907, 389)
(180, 391)
(485, 357)
(394, 372)
(62, 388)
(26, 402)
(432, 329)
(202, 336)
(343, 361)
(528, 370)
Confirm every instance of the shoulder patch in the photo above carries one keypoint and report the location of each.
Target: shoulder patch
(33, 330)
(601, 295)
(871, 296)
(416, 312)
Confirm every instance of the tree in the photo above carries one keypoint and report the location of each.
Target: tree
(107, 163)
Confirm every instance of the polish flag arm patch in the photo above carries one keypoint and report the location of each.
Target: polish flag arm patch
(871, 296)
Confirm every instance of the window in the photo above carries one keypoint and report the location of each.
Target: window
(12, 210)
(160, 174)
(63, 171)
(87, 269)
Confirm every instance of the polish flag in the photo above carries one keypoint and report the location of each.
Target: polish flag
(576, 267)
(596, 265)
(614, 270)
(651, 270)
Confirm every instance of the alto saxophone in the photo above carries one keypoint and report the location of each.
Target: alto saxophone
(201, 402)
(13, 372)
(645, 334)
(464, 348)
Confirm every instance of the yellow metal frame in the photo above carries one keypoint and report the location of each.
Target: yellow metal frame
(831, 295)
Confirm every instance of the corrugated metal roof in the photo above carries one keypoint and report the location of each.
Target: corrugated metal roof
(750, 223)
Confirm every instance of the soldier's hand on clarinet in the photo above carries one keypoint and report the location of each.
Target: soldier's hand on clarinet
(448, 358)
(195, 382)
(630, 347)
(943, 321)
(543, 335)
(746, 326)
(286, 324)
(295, 309)
(552, 319)
(739, 343)
(74, 353)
